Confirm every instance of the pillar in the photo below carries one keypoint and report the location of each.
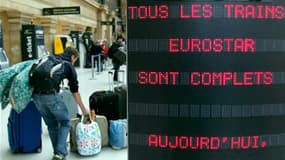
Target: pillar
(49, 24)
(16, 20)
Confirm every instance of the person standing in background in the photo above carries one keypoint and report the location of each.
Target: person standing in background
(119, 44)
(97, 51)
(87, 39)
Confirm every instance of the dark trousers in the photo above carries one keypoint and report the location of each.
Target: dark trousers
(88, 60)
(116, 68)
(99, 65)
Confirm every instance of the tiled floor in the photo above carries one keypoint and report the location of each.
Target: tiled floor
(87, 86)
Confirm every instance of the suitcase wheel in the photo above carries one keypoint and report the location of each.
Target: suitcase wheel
(39, 150)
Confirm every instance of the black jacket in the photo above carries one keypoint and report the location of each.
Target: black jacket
(114, 48)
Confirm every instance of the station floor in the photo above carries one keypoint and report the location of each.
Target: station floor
(87, 85)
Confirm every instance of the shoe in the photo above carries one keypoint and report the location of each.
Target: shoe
(58, 157)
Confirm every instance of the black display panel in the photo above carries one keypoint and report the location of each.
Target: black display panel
(32, 42)
(206, 80)
(61, 10)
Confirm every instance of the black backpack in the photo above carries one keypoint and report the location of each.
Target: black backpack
(47, 73)
(114, 48)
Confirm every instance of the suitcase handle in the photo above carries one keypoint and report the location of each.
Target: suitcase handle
(111, 84)
(92, 115)
(85, 119)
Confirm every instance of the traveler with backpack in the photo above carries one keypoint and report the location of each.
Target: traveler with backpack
(46, 77)
(116, 47)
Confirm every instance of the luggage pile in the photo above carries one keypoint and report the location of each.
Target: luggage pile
(88, 137)
(112, 104)
(108, 125)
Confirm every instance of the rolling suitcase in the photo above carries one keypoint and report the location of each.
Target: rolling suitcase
(103, 125)
(25, 130)
(111, 103)
(69, 102)
(72, 137)
(121, 91)
(105, 103)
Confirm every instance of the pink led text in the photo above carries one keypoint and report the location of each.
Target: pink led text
(207, 45)
(196, 11)
(204, 143)
(148, 12)
(223, 78)
(158, 78)
(254, 12)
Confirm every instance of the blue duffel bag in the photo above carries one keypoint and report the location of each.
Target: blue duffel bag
(118, 133)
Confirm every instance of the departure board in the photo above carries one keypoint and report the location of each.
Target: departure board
(206, 79)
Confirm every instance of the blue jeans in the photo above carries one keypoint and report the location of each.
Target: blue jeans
(56, 117)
